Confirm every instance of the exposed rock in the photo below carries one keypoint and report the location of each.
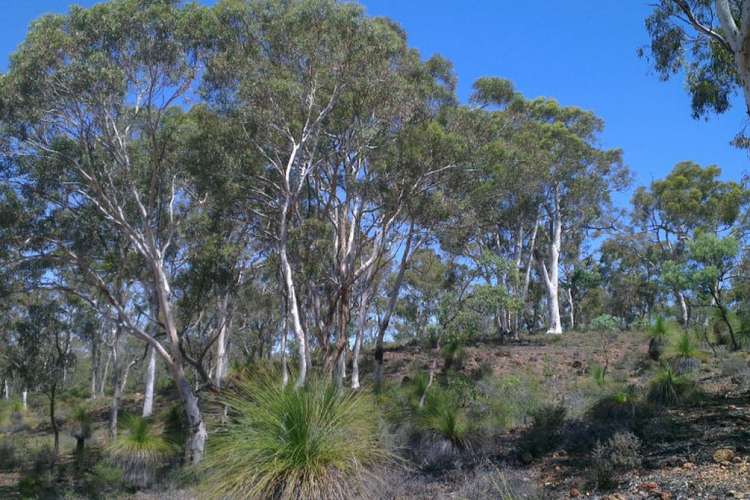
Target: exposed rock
(723, 455)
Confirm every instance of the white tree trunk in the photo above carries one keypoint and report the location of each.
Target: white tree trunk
(551, 274)
(6, 389)
(150, 383)
(222, 354)
(571, 310)
(683, 308)
(24, 398)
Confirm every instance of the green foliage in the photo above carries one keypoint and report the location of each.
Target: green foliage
(604, 323)
(315, 442)
(599, 375)
(544, 433)
(140, 451)
(668, 388)
(444, 415)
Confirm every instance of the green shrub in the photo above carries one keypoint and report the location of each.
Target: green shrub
(668, 388)
(619, 454)
(659, 332)
(604, 323)
(544, 433)
(598, 375)
(316, 442)
(140, 452)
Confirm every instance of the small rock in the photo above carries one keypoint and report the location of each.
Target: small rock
(649, 486)
(723, 455)
(574, 493)
(688, 465)
(665, 495)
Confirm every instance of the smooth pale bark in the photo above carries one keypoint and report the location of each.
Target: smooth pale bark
(683, 307)
(284, 332)
(6, 389)
(24, 398)
(196, 432)
(571, 309)
(115, 403)
(222, 353)
(551, 272)
(364, 306)
(150, 382)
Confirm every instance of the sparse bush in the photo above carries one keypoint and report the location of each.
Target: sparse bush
(315, 442)
(489, 482)
(668, 388)
(620, 408)
(619, 454)
(140, 452)
(544, 433)
(604, 323)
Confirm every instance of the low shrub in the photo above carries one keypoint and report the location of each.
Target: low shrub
(604, 323)
(544, 433)
(315, 442)
(8, 456)
(489, 482)
(684, 354)
(618, 454)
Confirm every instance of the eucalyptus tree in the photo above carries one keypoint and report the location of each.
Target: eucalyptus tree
(85, 106)
(39, 350)
(322, 94)
(708, 41)
(691, 199)
(575, 185)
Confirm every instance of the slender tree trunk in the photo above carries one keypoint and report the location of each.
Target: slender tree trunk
(53, 420)
(683, 307)
(393, 297)
(24, 398)
(94, 368)
(284, 333)
(196, 440)
(150, 382)
(103, 380)
(222, 354)
(551, 275)
(571, 311)
(364, 305)
(294, 310)
(6, 389)
(115, 404)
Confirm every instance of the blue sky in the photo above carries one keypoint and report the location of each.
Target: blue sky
(580, 52)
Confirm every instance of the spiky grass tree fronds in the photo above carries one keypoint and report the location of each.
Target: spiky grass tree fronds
(282, 443)
(140, 451)
(684, 354)
(669, 388)
(659, 332)
(443, 415)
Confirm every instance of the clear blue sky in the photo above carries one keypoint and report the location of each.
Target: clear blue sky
(580, 52)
